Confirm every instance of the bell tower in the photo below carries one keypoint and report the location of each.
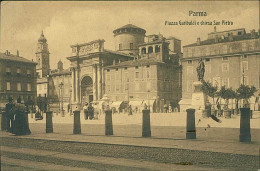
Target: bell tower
(42, 57)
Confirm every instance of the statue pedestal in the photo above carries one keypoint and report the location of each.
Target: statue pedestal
(198, 97)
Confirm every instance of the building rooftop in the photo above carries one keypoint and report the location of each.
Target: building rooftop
(129, 26)
(56, 72)
(246, 36)
(138, 62)
(11, 57)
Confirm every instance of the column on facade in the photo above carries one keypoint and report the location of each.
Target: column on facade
(77, 85)
(99, 82)
(103, 82)
(73, 84)
(94, 82)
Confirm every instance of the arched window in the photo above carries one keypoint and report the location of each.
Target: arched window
(157, 48)
(150, 49)
(143, 50)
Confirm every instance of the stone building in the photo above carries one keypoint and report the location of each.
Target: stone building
(153, 78)
(229, 56)
(18, 78)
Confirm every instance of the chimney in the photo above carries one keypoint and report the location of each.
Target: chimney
(230, 37)
(198, 41)
(18, 53)
(216, 38)
(215, 29)
(253, 33)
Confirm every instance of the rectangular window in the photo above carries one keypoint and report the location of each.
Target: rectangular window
(108, 77)
(18, 70)
(225, 82)
(207, 59)
(225, 58)
(244, 57)
(131, 46)
(120, 46)
(108, 88)
(29, 88)
(8, 85)
(189, 69)
(225, 67)
(7, 69)
(19, 87)
(137, 75)
(244, 66)
(189, 61)
(28, 72)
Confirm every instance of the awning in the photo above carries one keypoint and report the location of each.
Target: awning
(116, 104)
(136, 103)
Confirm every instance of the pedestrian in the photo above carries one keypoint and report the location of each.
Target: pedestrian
(170, 108)
(219, 109)
(145, 106)
(85, 110)
(9, 113)
(20, 126)
(90, 111)
(130, 110)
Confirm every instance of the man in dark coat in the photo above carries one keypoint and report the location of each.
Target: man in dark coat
(9, 113)
(90, 111)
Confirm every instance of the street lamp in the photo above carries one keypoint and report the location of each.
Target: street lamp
(148, 91)
(61, 96)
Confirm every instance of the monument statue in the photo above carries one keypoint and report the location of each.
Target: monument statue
(201, 70)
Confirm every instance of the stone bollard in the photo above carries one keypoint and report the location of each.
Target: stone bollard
(245, 134)
(77, 126)
(49, 125)
(146, 127)
(190, 124)
(108, 122)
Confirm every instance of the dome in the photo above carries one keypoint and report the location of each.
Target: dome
(129, 28)
(42, 38)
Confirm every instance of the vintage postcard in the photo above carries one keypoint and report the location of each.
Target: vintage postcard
(130, 85)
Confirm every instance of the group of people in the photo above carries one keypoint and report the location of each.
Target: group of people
(17, 117)
(89, 111)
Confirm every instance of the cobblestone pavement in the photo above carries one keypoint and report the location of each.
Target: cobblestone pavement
(32, 154)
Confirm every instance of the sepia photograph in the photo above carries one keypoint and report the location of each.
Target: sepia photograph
(129, 85)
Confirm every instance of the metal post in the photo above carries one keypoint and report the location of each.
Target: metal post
(146, 127)
(108, 122)
(190, 124)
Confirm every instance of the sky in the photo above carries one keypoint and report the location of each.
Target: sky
(66, 23)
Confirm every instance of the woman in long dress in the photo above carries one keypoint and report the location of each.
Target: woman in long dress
(20, 126)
